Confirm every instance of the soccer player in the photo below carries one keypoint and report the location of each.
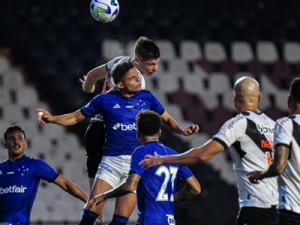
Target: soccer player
(249, 136)
(156, 187)
(119, 109)
(286, 160)
(20, 176)
(146, 60)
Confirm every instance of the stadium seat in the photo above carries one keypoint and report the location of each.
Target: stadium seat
(190, 50)
(241, 52)
(266, 52)
(167, 50)
(291, 52)
(167, 84)
(4, 64)
(26, 96)
(111, 48)
(219, 83)
(193, 84)
(13, 79)
(214, 52)
(178, 66)
(181, 98)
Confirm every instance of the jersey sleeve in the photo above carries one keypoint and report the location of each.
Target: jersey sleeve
(93, 107)
(156, 105)
(184, 173)
(44, 171)
(137, 156)
(231, 131)
(111, 63)
(283, 134)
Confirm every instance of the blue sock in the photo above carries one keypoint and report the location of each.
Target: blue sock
(119, 220)
(88, 217)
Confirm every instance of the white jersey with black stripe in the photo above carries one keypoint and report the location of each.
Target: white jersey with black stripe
(249, 137)
(287, 132)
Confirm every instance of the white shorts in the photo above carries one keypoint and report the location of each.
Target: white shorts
(114, 169)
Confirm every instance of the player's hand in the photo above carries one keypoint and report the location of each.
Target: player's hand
(193, 128)
(44, 116)
(82, 80)
(254, 176)
(94, 202)
(151, 160)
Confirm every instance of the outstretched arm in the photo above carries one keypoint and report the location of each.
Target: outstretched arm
(191, 188)
(65, 120)
(70, 187)
(171, 124)
(281, 156)
(193, 156)
(88, 82)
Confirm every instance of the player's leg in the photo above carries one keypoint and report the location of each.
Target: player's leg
(93, 141)
(287, 217)
(89, 217)
(124, 208)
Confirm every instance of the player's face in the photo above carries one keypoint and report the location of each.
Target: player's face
(132, 81)
(148, 67)
(16, 144)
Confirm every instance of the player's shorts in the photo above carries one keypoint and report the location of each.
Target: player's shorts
(287, 217)
(93, 141)
(114, 169)
(257, 216)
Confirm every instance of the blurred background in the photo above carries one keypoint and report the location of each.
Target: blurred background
(47, 45)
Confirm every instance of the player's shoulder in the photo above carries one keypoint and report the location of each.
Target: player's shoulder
(285, 120)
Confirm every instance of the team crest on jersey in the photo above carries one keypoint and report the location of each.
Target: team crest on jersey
(171, 220)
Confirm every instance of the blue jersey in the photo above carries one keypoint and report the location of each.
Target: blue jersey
(19, 181)
(119, 116)
(157, 187)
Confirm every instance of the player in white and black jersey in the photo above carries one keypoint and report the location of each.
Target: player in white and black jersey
(146, 60)
(286, 160)
(249, 136)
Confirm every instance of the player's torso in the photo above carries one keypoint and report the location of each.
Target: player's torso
(250, 137)
(119, 116)
(18, 187)
(289, 181)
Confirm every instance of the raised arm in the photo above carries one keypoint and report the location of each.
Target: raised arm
(65, 120)
(90, 79)
(191, 188)
(70, 187)
(171, 124)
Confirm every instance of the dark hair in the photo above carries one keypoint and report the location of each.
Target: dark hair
(146, 49)
(148, 122)
(13, 128)
(120, 70)
(295, 89)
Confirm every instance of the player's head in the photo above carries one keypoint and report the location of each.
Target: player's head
(146, 55)
(295, 92)
(15, 141)
(246, 93)
(148, 124)
(126, 78)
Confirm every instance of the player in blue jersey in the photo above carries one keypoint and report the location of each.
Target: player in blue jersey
(19, 179)
(156, 187)
(146, 60)
(119, 109)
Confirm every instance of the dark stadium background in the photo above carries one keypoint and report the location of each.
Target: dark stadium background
(55, 43)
